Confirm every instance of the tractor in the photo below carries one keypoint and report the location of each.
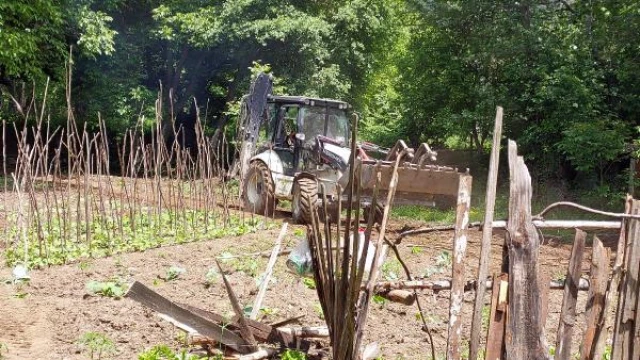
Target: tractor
(297, 148)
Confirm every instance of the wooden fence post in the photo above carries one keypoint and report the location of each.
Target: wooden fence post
(525, 333)
(487, 233)
(570, 298)
(458, 268)
(623, 338)
(595, 304)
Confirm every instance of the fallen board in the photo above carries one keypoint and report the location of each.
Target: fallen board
(149, 298)
(262, 332)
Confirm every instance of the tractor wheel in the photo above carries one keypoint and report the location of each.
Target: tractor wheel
(305, 198)
(259, 190)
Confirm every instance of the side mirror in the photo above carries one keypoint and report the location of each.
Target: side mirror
(300, 137)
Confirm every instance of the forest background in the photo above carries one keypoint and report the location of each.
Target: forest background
(567, 72)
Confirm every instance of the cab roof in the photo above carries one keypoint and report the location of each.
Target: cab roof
(309, 101)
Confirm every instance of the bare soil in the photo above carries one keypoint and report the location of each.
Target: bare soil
(47, 323)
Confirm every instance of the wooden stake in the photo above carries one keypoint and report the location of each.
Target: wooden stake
(267, 274)
(458, 268)
(245, 331)
(497, 320)
(525, 337)
(487, 233)
(570, 298)
(595, 304)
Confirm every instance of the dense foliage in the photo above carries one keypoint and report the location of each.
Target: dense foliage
(566, 72)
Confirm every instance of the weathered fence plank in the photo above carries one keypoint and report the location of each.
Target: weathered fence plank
(625, 317)
(599, 277)
(487, 233)
(458, 268)
(497, 320)
(570, 298)
(525, 333)
(602, 336)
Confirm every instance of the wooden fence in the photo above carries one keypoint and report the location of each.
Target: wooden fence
(519, 293)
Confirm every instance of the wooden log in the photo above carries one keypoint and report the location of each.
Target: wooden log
(259, 354)
(458, 267)
(487, 233)
(497, 320)
(149, 298)
(595, 304)
(625, 317)
(400, 296)
(267, 274)
(525, 337)
(570, 298)
(566, 224)
(439, 285)
(307, 331)
(612, 292)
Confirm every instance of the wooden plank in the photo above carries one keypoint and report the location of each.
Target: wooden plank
(497, 320)
(566, 224)
(487, 234)
(634, 237)
(625, 317)
(599, 276)
(434, 180)
(156, 302)
(613, 287)
(525, 337)
(458, 267)
(570, 298)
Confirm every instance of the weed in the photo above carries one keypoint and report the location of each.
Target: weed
(291, 354)
(298, 232)
(309, 283)
(211, 277)
(84, 265)
(318, 309)
(164, 352)
(173, 273)
(380, 300)
(269, 311)
(416, 250)
(486, 313)
(114, 288)
(97, 344)
(391, 270)
(4, 349)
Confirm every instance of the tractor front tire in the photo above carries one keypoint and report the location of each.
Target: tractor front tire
(305, 198)
(259, 190)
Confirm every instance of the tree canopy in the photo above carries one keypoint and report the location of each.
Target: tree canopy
(566, 72)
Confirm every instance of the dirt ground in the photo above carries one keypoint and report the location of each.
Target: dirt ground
(57, 310)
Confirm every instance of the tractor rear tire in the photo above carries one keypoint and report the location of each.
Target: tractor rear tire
(305, 199)
(259, 190)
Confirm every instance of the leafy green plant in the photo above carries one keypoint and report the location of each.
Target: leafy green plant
(174, 272)
(380, 300)
(291, 354)
(97, 344)
(416, 250)
(211, 277)
(113, 288)
(164, 352)
(309, 282)
(391, 270)
(150, 231)
(318, 309)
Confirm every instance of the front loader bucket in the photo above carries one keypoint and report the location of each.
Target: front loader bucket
(423, 185)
